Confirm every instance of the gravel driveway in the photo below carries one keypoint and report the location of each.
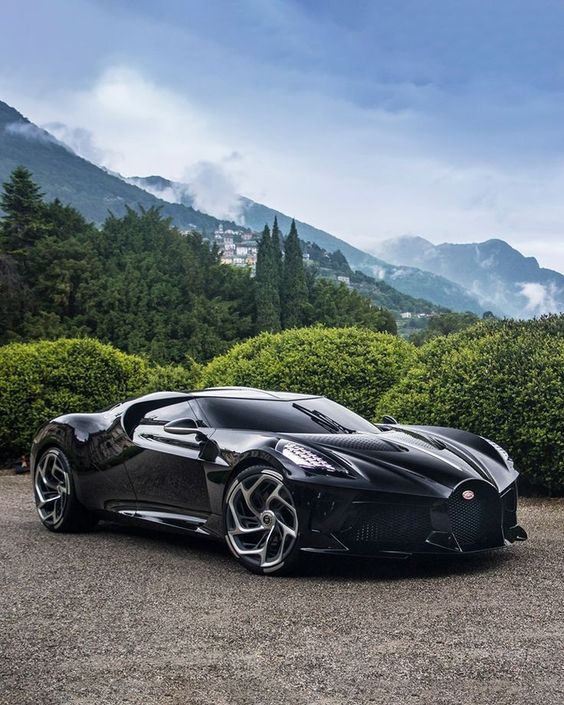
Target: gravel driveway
(128, 616)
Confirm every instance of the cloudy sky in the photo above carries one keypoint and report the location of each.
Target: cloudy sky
(368, 118)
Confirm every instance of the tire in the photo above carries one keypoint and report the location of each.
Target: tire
(55, 496)
(261, 522)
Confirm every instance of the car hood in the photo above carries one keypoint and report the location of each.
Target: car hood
(415, 459)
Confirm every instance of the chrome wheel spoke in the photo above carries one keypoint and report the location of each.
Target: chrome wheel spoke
(287, 530)
(262, 522)
(275, 496)
(248, 494)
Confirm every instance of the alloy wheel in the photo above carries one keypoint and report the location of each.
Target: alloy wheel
(52, 487)
(262, 522)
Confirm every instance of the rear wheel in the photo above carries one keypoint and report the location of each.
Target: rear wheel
(261, 521)
(55, 497)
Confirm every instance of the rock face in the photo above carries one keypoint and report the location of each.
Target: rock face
(492, 271)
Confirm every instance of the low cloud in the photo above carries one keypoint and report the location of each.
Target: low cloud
(206, 186)
(81, 142)
(213, 191)
(540, 298)
(31, 132)
(175, 193)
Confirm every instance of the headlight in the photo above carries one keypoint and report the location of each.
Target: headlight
(501, 451)
(309, 459)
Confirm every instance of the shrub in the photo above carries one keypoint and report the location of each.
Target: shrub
(504, 381)
(174, 377)
(44, 379)
(353, 366)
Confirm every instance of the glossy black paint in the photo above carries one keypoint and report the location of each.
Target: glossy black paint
(402, 493)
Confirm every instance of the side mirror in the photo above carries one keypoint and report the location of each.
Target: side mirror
(185, 427)
(389, 420)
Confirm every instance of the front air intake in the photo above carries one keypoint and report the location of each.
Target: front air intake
(475, 513)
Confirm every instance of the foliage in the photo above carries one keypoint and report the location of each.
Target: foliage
(277, 252)
(296, 309)
(353, 366)
(267, 285)
(330, 265)
(21, 202)
(173, 378)
(137, 283)
(445, 324)
(336, 305)
(143, 286)
(41, 380)
(502, 380)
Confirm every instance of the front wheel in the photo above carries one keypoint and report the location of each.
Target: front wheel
(55, 497)
(261, 522)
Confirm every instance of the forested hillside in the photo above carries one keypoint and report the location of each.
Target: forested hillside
(141, 284)
(63, 174)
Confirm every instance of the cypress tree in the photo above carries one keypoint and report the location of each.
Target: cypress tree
(295, 302)
(277, 252)
(267, 292)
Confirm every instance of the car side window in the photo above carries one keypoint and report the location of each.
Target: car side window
(164, 414)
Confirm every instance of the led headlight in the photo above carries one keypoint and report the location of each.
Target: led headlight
(309, 459)
(501, 451)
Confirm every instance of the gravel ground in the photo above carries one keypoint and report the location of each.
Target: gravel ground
(129, 616)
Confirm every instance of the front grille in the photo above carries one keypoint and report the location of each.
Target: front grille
(396, 525)
(476, 523)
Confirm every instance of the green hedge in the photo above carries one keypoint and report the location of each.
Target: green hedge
(504, 381)
(350, 365)
(44, 379)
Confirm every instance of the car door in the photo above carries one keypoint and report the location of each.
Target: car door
(167, 472)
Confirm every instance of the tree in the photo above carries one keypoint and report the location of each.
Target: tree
(267, 286)
(23, 223)
(336, 305)
(445, 324)
(277, 251)
(296, 309)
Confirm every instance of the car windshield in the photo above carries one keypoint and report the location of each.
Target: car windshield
(310, 415)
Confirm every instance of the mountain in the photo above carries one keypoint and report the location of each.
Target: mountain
(493, 271)
(63, 174)
(409, 280)
(334, 266)
(94, 192)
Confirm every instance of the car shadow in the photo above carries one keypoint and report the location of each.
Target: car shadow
(335, 568)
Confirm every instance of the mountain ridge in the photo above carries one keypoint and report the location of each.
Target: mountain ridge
(493, 270)
(410, 280)
(95, 192)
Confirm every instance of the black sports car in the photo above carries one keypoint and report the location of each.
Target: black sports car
(276, 475)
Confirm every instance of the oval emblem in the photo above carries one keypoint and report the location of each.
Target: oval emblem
(468, 494)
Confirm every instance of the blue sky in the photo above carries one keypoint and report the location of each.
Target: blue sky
(371, 119)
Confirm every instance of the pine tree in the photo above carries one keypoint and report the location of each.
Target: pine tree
(23, 223)
(295, 304)
(267, 290)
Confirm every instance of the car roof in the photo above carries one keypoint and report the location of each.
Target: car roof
(250, 393)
